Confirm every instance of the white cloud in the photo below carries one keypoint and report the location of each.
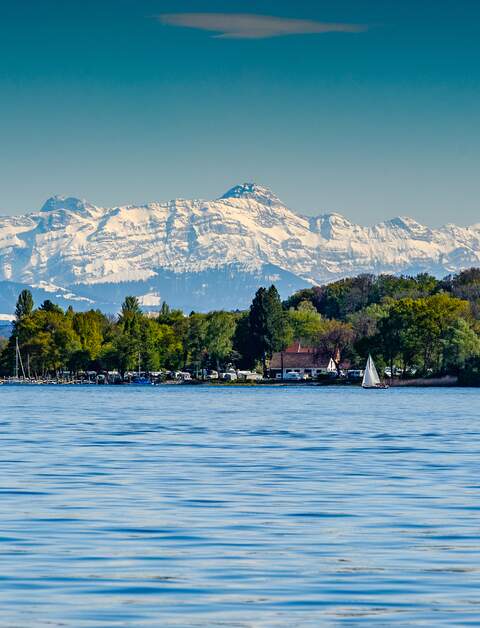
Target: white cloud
(251, 26)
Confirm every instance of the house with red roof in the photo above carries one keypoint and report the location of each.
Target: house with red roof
(307, 361)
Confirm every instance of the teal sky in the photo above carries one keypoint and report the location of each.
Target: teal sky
(135, 100)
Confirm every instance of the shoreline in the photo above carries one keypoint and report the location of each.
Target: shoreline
(437, 382)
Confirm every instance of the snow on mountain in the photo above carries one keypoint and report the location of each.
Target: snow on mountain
(72, 243)
(254, 192)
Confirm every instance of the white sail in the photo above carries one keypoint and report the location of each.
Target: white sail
(370, 377)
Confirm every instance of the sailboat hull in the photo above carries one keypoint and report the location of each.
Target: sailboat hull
(377, 387)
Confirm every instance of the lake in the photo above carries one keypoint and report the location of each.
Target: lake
(230, 506)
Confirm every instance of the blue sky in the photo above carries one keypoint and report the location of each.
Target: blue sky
(369, 108)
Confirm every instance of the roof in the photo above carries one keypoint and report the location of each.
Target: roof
(297, 357)
(296, 347)
(300, 360)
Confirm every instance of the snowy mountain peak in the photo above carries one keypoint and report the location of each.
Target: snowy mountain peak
(70, 203)
(404, 223)
(331, 225)
(255, 192)
(336, 219)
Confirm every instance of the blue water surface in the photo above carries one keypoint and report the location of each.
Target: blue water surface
(224, 506)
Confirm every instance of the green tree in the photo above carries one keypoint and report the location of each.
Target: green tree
(79, 360)
(148, 351)
(24, 305)
(219, 332)
(49, 306)
(195, 340)
(460, 344)
(170, 347)
(127, 341)
(243, 343)
(415, 330)
(432, 318)
(393, 334)
(123, 352)
(130, 315)
(365, 325)
(48, 339)
(89, 328)
(335, 339)
(268, 323)
(465, 285)
(305, 322)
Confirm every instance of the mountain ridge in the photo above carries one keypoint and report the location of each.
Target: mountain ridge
(246, 190)
(70, 243)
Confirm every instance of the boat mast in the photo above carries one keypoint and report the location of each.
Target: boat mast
(16, 357)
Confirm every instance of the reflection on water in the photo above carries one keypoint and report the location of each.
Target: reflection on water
(239, 507)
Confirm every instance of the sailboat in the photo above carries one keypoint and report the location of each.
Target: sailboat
(139, 380)
(370, 377)
(18, 362)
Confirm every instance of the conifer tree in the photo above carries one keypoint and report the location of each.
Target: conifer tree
(24, 305)
(269, 328)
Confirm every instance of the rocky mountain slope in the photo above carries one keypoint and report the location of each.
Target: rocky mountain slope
(207, 254)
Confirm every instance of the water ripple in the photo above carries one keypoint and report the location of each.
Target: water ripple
(254, 507)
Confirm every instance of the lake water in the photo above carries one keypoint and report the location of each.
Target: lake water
(211, 506)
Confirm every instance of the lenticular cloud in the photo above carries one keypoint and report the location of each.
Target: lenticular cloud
(251, 26)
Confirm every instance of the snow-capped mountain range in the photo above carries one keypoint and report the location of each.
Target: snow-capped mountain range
(208, 254)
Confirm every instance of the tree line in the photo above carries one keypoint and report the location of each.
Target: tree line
(415, 325)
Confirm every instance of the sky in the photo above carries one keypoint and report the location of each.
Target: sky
(366, 107)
